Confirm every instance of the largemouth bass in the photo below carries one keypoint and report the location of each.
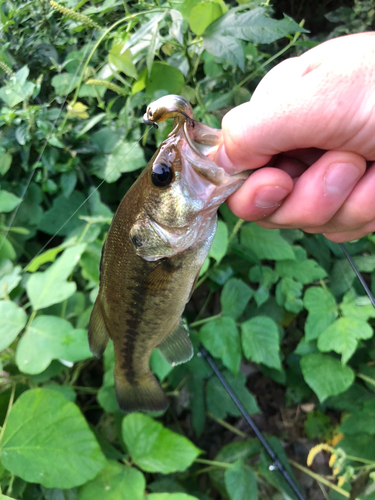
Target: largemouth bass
(155, 248)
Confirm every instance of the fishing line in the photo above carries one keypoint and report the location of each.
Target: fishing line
(15, 211)
(275, 461)
(83, 203)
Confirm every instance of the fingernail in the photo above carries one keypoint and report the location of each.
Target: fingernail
(340, 177)
(270, 196)
(223, 161)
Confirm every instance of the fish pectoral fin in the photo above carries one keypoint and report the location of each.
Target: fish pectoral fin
(98, 333)
(160, 277)
(144, 394)
(177, 347)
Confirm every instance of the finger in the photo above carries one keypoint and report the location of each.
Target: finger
(261, 194)
(342, 237)
(320, 191)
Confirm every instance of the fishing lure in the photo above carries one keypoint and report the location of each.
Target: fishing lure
(156, 245)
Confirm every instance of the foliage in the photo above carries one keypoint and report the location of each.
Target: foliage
(74, 85)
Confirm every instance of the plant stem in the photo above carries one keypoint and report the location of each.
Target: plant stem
(228, 426)
(235, 230)
(10, 404)
(205, 320)
(321, 479)
(223, 465)
(367, 379)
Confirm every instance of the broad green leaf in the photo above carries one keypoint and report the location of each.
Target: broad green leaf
(266, 243)
(170, 496)
(325, 375)
(106, 395)
(48, 441)
(47, 256)
(357, 306)
(124, 157)
(121, 60)
(266, 277)
(5, 162)
(64, 83)
(12, 321)
(8, 201)
(288, 293)
(234, 297)
(48, 338)
(302, 270)
(159, 365)
(260, 341)
(155, 448)
(220, 243)
(240, 482)
(222, 339)
(220, 404)
(342, 336)
(9, 277)
(322, 311)
(114, 482)
(360, 421)
(360, 445)
(226, 48)
(164, 77)
(17, 89)
(64, 215)
(7, 250)
(202, 15)
(51, 286)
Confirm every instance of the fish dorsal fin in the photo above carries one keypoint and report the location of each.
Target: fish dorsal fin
(177, 347)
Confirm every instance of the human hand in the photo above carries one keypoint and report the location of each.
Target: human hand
(311, 120)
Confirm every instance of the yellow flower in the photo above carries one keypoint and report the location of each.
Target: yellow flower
(78, 110)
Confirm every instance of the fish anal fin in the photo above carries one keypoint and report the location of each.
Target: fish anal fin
(177, 347)
(144, 394)
(98, 333)
(160, 277)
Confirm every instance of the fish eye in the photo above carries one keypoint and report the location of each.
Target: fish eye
(161, 175)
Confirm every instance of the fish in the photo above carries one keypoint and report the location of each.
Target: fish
(156, 245)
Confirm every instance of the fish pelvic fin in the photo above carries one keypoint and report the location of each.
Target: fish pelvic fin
(144, 394)
(98, 333)
(177, 347)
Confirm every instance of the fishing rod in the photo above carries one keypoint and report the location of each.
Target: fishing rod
(276, 464)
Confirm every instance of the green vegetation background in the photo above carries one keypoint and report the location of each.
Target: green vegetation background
(75, 81)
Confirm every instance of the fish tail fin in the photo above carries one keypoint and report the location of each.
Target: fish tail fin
(98, 333)
(144, 394)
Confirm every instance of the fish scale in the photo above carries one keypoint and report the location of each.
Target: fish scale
(157, 243)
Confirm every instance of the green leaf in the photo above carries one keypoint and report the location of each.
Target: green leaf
(5, 162)
(64, 215)
(18, 89)
(9, 277)
(221, 338)
(51, 286)
(48, 441)
(342, 336)
(302, 270)
(360, 421)
(220, 243)
(220, 404)
(260, 341)
(7, 250)
(322, 311)
(12, 321)
(8, 201)
(123, 157)
(226, 48)
(234, 297)
(47, 256)
(64, 83)
(154, 448)
(325, 375)
(114, 482)
(266, 243)
(240, 482)
(159, 365)
(48, 338)
(202, 15)
(164, 77)
(288, 293)
(121, 60)
(357, 306)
